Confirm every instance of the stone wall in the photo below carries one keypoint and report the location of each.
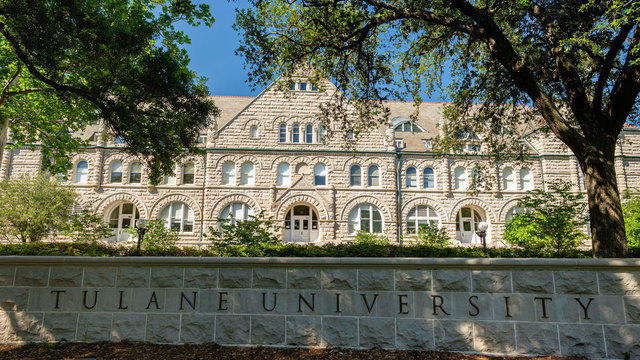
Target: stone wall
(492, 306)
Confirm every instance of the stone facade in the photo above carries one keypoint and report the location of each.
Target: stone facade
(248, 132)
(566, 307)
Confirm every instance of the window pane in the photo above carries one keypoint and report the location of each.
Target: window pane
(355, 176)
(283, 133)
(308, 133)
(295, 133)
(374, 176)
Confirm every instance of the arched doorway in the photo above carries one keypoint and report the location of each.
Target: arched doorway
(301, 224)
(467, 222)
(121, 218)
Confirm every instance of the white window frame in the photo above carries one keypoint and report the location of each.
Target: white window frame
(282, 133)
(185, 218)
(353, 176)
(414, 217)
(411, 181)
(247, 174)
(113, 170)
(138, 172)
(460, 178)
(229, 177)
(82, 176)
(373, 172)
(355, 219)
(424, 177)
(253, 131)
(192, 173)
(509, 179)
(284, 175)
(245, 209)
(526, 177)
(322, 174)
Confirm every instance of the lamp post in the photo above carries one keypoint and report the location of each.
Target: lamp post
(482, 232)
(141, 225)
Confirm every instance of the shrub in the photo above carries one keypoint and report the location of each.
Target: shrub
(550, 220)
(367, 238)
(631, 212)
(235, 238)
(87, 227)
(157, 236)
(430, 235)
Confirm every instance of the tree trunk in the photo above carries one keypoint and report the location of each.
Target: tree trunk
(4, 127)
(605, 210)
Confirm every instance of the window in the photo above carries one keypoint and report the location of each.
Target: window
(116, 172)
(171, 178)
(188, 173)
(119, 140)
(247, 174)
(314, 87)
(302, 86)
(178, 217)
(82, 172)
(526, 182)
(320, 175)
(427, 144)
(308, 134)
(508, 179)
(408, 126)
(295, 133)
(253, 132)
(284, 175)
(292, 85)
(513, 211)
(202, 139)
(365, 217)
(350, 135)
(420, 216)
(399, 143)
(473, 147)
(236, 212)
(460, 179)
(282, 135)
(229, 173)
(322, 134)
(135, 173)
(412, 181)
(374, 176)
(356, 175)
(429, 178)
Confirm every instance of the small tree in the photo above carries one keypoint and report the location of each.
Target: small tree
(550, 220)
(87, 227)
(631, 211)
(34, 208)
(431, 235)
(157, 236)
(367, 238)
(232, 236)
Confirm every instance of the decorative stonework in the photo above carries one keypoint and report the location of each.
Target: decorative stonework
(160, 204)
(104, 206)
(234, 198)
(472, 202)
(409, 205)
(366, 199)
(304, 199)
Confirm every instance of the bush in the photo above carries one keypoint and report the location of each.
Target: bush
(631, 212)
(430, 235)
(87, 227)
(550, 220)
(243, 238)
(367, 238)
(157, 236)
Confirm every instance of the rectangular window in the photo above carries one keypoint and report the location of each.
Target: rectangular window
(292, 85)
(283, 134)
(202, 139)
(320, 180)
(399, 143)
(427, 144)
(303, 86)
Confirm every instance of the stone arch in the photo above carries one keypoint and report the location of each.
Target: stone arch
(160, 204)
(473, 202)
(108, 203)
(250, 123)
(226, 158)
(126, 161)
(366, 199)
(354, 160)
(249, 158)
(234, 198)
(287, 203)
(322, 160)
(423, 200)
(279, 160)
(506, 207)
(90, 164)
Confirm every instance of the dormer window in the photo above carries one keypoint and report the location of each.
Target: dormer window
(202, 139)
(302, 86)
(253, 132)
(427, 144)
(401, 124)
(399, 144)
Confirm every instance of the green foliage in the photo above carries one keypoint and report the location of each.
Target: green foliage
(157, 237)
(33, 208)
(367, 238)
(430, 235)
(631, 211)
(241, 238)
(66, 64)
(551, 220)
(87, 227)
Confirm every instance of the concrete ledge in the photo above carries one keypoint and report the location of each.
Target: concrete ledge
(456, 263)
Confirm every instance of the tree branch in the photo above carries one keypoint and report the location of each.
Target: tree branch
(8, 84)
(609, 60)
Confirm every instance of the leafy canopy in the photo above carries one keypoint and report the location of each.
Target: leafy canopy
(66, 64)
(631, 211)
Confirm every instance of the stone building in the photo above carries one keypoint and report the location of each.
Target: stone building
(273, 155)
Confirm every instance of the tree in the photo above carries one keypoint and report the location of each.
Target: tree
(66, 64)
(631, 211)
(157, 237)
(577, 62)
(32, 209)
(548, 220)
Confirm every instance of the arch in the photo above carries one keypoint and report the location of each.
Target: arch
(234, 198)
(251, 122)
(491, 216)
(103, 207)
(423, 201)
(366, 199)
(506, 207)
(249, 158)
(160, 204)
(287, 203)
(226, 158)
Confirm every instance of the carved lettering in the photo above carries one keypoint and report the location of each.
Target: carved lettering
(438, 304)
(264, 301)
(120, 305)
(95, 299)
(191, 303)
(506, 307)
(402, 303)
(301, 300)
(154, 300)
(585, 308)
(475, 307)
(338, 303)
(366, 302)
(543, 301)
(222, 301)
(58, 292)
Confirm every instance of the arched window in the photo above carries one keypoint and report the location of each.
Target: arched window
(135, 173)
(236, 212)
(82, 172)
(526, 181)
(177, 216)
(284, 175)
(365, 217)
(356, 175)
(308, 134)
(229, 173)
(188, 173)
(322, 134)
(420, 216)
(253, 131)
(282, 133)
(116, 172)
(320, 175)
(247, 174)
(374, 176)
(295, 133)
(460, 179)
(429, 178)
(508, 179)
(513, 211)
(412, 181)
